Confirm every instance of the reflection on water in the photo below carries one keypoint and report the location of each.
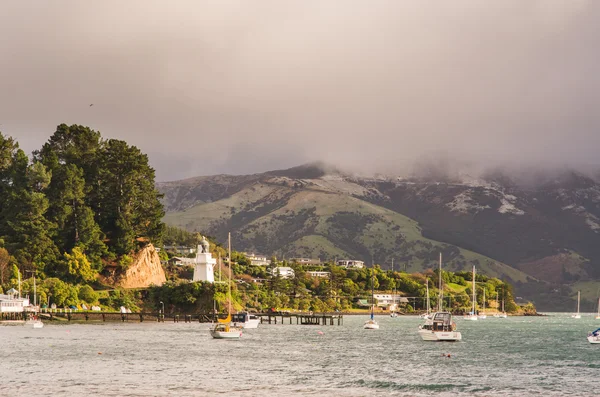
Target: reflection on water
(498, 357)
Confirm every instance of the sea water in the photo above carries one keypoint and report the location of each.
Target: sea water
(517, 356)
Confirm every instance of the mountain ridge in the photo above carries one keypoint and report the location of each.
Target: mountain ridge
(491, 221)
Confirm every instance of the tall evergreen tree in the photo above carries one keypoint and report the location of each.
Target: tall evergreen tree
(129, 206)
(74, 218)
(28, 233)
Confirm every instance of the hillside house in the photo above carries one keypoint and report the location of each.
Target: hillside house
(319, 274)
(350, 264)
(306, 261)
(257, 260)
(283, 271)
(180, 249)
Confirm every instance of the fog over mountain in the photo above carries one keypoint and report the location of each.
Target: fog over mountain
(240, 87)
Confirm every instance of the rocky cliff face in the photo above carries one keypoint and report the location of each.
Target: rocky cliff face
(145, 270)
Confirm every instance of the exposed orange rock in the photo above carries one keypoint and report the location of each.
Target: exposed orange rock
(145, 270)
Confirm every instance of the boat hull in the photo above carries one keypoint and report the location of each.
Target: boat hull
(250, 324)
(593, 339)
(232, 334)
(371, 325)
(470, 318)
(440, 336)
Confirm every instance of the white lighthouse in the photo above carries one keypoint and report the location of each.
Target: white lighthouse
(204, 263)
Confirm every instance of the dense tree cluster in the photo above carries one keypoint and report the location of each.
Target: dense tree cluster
(256, 287)
(80, 202)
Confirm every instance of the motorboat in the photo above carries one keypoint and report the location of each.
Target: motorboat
(594, 336)
(245, 320)
(393, 314)
(34, 322)
(440, 328)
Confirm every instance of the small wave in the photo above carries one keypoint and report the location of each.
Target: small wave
(390, 385)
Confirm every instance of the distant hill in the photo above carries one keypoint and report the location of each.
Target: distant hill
(543, 237)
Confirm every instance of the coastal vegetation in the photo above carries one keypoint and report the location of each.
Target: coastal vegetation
(78, 205)
(79, 209)
(262, 288)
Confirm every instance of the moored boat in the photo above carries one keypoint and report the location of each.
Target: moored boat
(224, 329)
(594, 337)
(245, 320)
(371, 323)
(440, 328)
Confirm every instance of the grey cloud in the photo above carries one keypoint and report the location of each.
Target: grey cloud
(240, 87)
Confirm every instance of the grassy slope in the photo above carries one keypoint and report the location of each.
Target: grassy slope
(315, 235)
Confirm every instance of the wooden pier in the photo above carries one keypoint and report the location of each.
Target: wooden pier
(265, 318)
(300, 318)
(97, 316)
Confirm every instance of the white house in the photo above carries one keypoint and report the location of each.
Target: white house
(306, 261)
(319, 274)
(180, 249)
(284, 272)
(257, 260)
(389, 301)
(351, 263)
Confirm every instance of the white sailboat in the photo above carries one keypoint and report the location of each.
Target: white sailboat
(594, 336)
(371, 323)
(34, 321)
(224, 329)
(473, 315)
(577, 315)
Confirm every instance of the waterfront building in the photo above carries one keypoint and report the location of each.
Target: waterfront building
(13, 304)
(390, 301)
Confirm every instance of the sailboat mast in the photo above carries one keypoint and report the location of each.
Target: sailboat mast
(473, 289)
(441, 297)
(427, 284)
(372, 294)
(502, 299)
(484, 298)
(34, 291)
(578, 297)
(229, 283)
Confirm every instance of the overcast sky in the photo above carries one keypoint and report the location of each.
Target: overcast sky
(220, 86)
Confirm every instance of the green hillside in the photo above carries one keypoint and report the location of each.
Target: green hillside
(287, 222)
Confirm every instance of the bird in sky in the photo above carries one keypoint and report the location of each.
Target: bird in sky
(91, 104)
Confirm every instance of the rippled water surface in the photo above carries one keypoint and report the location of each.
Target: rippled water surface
(518, 356)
